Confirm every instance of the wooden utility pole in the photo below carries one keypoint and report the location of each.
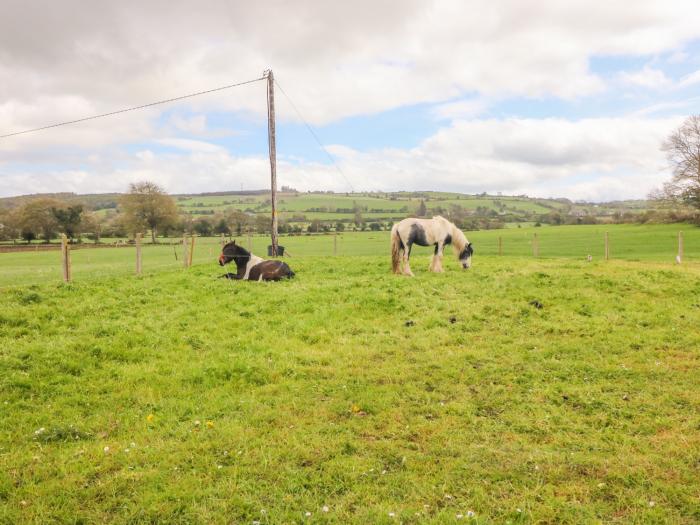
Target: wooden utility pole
(680, 247)
(273, 155)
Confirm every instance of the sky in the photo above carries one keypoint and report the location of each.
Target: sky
(549, 98)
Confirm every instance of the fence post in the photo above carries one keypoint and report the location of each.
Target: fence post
(65, 258)
(185, 256)
(138, 253)
(535, 246)
(191, 253)
(680, 247)
(500, 245)
(607, 247)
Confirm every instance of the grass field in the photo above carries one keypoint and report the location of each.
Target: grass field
(630, 242)
(349, 395)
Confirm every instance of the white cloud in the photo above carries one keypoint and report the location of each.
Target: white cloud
(690, 80)
(335, 59)
(646, 77)
(599, 159)
(460, 110)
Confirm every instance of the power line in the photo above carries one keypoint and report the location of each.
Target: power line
(313, 133)
(131, 109)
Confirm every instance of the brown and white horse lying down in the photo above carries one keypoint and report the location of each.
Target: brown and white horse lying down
(251, 267)
(437, 232)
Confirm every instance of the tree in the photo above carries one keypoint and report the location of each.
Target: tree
(422, 210)
(147, 206)
(203, 227)
(36, 219)
(222, 227)
(69, 219)
(682, 149)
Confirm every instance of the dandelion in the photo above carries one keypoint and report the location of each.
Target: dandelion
(150, 417)
(210, 424)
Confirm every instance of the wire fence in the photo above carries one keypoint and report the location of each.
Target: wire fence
(665, 243)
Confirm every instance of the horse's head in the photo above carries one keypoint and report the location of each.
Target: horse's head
(233, 252)
(465, 256)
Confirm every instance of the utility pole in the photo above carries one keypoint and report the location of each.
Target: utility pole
(273, 154)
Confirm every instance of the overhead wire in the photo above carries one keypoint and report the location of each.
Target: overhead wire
(315, 136)
(134, 108)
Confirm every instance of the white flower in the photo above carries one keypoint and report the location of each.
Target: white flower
(470, 514)
(40, 431)
(652, 503)
(308, 514)
(325, 508)
(459, 516)
(106, 449)
(391, 514)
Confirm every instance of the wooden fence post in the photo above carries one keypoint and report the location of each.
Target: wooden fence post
(535, 246)
(680, 247)
(65, 258)
(191, 253)
(607, 246)
(500, 245)
(185, 256)
(138, 253)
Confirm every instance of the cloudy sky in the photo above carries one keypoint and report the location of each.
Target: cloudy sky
(560, 98)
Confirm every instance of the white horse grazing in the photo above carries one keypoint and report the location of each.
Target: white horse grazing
(437, 231)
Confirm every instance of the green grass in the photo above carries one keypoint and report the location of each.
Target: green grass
(355, 389)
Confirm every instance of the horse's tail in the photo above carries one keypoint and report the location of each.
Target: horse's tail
(395, 249)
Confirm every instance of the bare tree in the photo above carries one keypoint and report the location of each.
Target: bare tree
(148, 206)
(682, 149)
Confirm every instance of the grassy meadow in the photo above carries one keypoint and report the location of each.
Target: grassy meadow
(548, 390)
(627, 241)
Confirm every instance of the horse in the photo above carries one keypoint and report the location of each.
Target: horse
(251, 267)
(437, 231)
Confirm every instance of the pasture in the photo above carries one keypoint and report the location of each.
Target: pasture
(548, 390)
(629, 242)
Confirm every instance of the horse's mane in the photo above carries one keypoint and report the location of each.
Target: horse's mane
(459, 241)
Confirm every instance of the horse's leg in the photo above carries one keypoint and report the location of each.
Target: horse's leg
(406, 256)
(436, 263)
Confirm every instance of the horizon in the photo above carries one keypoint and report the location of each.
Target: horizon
(556, 101)
(328, 192)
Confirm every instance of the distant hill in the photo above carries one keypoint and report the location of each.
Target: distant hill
(373, 206)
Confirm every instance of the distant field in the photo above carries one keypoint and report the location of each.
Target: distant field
(629, 242)
(397, 207)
